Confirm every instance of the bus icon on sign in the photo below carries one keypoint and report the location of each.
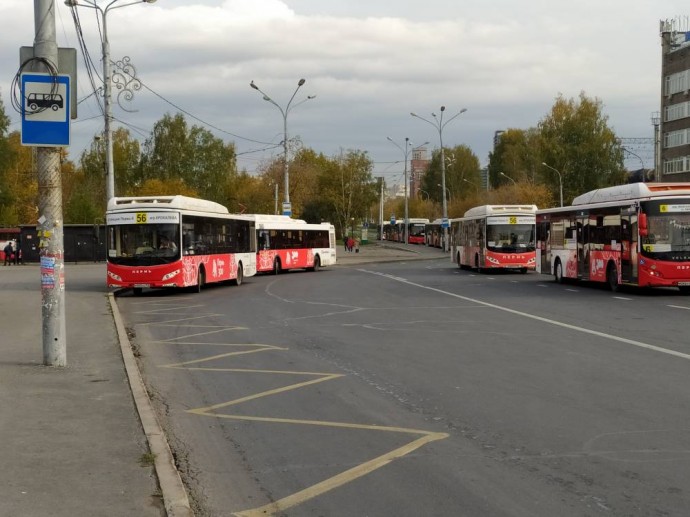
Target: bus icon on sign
(36, 101)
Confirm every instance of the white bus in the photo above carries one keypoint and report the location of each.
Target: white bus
(495, 237)
(176, 241)
(284, 243)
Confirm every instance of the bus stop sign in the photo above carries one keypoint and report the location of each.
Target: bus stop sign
(45, 110)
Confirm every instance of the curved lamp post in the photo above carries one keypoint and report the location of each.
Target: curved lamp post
(560, 178)
(285, 112)
(439, 124)
(107, 79)
(422, 191)
(506, 176)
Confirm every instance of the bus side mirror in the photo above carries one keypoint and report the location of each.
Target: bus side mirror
(642, 224)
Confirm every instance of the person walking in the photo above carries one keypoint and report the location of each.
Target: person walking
(8, 250)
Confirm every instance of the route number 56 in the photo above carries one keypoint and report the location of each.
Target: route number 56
(141, 218)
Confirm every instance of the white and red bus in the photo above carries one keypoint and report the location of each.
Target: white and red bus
(176, 241)
(636, 234)
(284, 243)
(495, 237)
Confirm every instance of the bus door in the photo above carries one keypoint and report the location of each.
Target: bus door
(543, 247)
(629, 245)
(582, 246)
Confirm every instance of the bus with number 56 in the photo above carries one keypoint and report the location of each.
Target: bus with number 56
(176, 242)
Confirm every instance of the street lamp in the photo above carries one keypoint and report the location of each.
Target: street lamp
(284, 113)
(438, 124)
(471, 183)
(107, 79)
(506, 176)
(405, 151)
(450, 198)
(422, 191)
(560, 178)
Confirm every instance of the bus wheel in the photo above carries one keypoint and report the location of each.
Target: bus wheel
(276, 266)
(612, 277)
(201, 280)
(558, 272)
(317, 264)
(137, 291)
(240, 275)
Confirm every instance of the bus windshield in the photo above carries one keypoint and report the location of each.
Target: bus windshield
(143, 244)
(668, 237)
(510, 238)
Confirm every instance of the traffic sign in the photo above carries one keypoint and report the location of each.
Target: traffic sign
(287, 209)
(45, 110)
(444, 223)
(392, 218)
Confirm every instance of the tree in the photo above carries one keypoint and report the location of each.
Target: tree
(347, 183)
(203, 162)
(518, 155)
(462, 170)
(577, 141)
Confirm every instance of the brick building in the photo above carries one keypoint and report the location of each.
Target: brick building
(672, 138)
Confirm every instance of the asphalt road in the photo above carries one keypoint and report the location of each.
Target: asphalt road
(409, 389)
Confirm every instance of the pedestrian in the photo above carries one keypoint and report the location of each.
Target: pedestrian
(345, 242)
(350, 244)
(17, 253)
(8, 253)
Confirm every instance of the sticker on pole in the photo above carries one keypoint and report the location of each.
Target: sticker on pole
(45, 110)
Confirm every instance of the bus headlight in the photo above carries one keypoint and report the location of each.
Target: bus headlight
(115, 277)
(171, 275)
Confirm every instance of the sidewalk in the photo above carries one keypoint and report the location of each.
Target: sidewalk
(383, 251)
(70, 438)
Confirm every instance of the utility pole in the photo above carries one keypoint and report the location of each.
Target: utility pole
(50, 224)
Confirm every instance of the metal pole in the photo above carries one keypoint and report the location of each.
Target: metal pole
(443, 185)
(407, 219)
(439, 125)
(276, 199)
(107, 101)
(381, 212)
(50, 227)
(286, 169)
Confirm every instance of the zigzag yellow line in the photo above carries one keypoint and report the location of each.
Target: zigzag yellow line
(424, 437)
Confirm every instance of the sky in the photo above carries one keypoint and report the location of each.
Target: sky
(368, 64)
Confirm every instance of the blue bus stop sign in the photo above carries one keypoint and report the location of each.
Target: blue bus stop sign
(444, 223)
(45, 110)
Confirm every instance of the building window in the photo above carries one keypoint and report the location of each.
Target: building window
(676, 83)
(677, 165)
(676, 111)
(676, 138)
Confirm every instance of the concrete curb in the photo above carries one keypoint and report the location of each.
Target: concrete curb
(174, 494)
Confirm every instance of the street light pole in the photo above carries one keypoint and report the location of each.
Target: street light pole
(405, 154)
(506, 176)
(285, 112)
(560, 178)
(438, 124)
(107, 83)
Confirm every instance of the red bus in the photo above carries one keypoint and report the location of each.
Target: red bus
(495, 237)
(176, 241)
(636, 234)
(416, 228)
(284, 243)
